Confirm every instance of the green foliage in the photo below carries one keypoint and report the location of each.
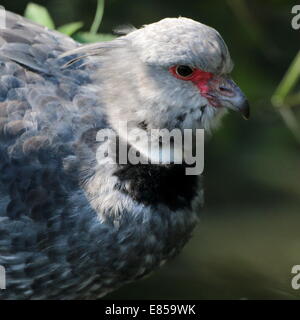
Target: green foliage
(70, 28)
(98, 17)
(40, 14)
(283, 99)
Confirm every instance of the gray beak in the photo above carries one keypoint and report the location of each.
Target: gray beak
(231, 96)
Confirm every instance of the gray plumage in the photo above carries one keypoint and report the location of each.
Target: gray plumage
(70, 226)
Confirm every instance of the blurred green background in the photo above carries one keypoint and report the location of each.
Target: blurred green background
(249, 235)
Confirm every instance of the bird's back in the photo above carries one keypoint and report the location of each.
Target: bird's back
(37, 93)
(45, 110)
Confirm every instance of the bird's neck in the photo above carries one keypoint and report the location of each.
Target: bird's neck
(143, 214)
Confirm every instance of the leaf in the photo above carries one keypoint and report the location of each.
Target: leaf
(39, 14)
(70, 28)
(87, 37)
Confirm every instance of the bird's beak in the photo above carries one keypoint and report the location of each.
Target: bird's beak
(223, 92)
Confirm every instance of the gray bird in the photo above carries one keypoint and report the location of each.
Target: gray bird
(74, 225)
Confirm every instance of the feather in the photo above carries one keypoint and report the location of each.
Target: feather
(124, 29)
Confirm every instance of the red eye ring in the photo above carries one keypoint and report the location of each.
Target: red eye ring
(196, 75)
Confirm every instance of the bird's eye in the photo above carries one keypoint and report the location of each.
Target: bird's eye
(184, 71)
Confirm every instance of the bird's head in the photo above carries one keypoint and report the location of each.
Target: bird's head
(186, 73)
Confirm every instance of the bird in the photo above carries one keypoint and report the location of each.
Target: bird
(74, 225)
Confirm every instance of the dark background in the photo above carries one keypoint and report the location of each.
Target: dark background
(249, 236)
